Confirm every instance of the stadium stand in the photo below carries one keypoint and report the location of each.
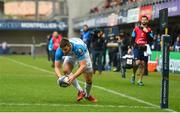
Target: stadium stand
(23, 19)
(116, 16)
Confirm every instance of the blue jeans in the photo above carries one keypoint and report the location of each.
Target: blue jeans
(97, 60)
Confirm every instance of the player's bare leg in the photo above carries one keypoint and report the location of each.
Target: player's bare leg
(135, 68)
(141, 73)
(88, 86)
(67, 71)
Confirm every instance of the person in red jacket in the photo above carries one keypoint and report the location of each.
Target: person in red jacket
(54, 44)
(141, 36)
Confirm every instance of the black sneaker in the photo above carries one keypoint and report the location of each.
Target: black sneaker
(140, 83)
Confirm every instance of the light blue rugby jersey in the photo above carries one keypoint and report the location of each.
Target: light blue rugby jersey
(78, 51)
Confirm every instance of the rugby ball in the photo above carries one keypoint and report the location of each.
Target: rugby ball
(63, 81)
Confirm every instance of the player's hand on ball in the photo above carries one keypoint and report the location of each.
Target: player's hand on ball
(71, 78)
(63, 81)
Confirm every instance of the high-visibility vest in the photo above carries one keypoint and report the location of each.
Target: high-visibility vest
(56, 42)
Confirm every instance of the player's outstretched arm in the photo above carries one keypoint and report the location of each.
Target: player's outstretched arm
(57, 69)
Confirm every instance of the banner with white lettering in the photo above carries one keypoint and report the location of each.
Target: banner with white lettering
(133, 15)
(32, 25)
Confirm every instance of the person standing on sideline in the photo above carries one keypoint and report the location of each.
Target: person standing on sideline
(97, 42)
(54, 44)
(47, 47)
(177, 44)
(123, 43)
(141, 36)
(86, 36)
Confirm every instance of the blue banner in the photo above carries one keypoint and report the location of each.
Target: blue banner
(173, 8)
(32, 25)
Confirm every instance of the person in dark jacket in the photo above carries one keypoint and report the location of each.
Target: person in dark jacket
(112, 51)
(97, 43)
(123, 43)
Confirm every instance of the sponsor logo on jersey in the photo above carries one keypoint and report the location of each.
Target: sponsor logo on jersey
(80, 51)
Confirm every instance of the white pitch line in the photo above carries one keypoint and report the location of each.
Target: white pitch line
(31, 66)
(74, 105)
(99, 87)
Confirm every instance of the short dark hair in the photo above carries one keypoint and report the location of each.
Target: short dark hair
(144, 16)
(64, 42)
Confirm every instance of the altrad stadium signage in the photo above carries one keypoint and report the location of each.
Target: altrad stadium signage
(32, 25)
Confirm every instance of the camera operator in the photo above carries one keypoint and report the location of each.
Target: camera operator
(97, 43)
(123, 43)
(112, 46)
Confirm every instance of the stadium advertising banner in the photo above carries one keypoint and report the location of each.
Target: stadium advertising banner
(173, 8)
(122, 17)
(146, 10)
(101, 21)
(112, 19)
(174, 64)
(94, 22)
(91, 22)
(79, 25)
(133, 15)
(31, 25)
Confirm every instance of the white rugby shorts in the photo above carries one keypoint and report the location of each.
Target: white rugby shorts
(74, 62)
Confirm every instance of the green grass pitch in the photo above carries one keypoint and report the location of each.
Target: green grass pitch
(29, 85)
